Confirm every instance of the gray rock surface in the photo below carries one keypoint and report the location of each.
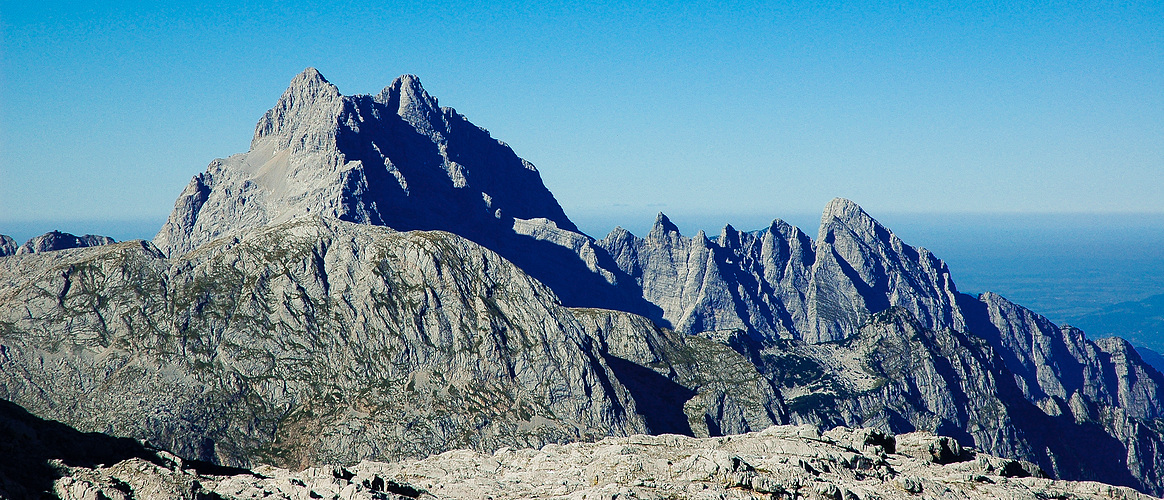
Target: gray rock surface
(779, 283)
(818, 318)
(897, 376)
(778, 462)
(321, 341)
(317, 340)
(56, 240)
(394, 159)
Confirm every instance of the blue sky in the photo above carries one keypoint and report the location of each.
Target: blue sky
(747, 109)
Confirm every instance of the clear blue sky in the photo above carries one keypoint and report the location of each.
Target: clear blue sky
(759, 108)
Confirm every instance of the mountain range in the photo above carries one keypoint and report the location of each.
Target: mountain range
(378, 278)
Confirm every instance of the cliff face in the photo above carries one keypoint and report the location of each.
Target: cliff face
(779, 283)
(322, 341)
(395, 159)
(7, 245)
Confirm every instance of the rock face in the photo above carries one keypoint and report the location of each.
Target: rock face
(322, 341)
(395, 159)
(896, 374)
(857, 328)
(56, 240)
(778, 462)
(7, 245)
(779, 283)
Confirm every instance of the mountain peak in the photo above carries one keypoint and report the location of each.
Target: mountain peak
(394, 159)
(57, 240)
(409, 82)
(308, 75)
(7, 245)
(849, 214)
(662, 227)
(310, 82)
(841, 208)
(407, 97)
(310, 100)
(729, 237)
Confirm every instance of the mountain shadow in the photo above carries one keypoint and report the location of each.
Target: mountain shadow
(658, 399)
(29, 444)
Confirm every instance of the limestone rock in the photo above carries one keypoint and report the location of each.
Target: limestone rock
(56, 240)
(780, 462)
(779, 283)
(863, 268)
(858, 328)
(47, 458)
(279, 331)
(318, 340)
(394, 159)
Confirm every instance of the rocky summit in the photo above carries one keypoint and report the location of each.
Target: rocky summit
(51, 241)
(394, 159)
(378, 279)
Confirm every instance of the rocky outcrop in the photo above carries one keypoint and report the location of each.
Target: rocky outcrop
(858, 328)
(694, 386)
(778, 462)
(7, 245)
(321, 341)
(317, 341)
(1053, 364)
(46, 459)
(863, 268)
(56, 240)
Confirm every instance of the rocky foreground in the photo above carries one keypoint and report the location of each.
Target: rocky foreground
(780, 462)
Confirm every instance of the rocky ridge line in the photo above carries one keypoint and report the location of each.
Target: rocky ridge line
(51, 242)
(7, 245)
